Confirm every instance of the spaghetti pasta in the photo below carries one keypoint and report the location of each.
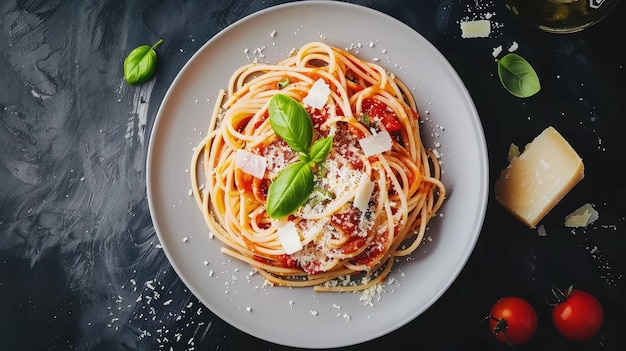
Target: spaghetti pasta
(364, 210)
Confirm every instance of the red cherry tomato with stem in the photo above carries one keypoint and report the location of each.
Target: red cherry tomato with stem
(513, 320)
(577, 314)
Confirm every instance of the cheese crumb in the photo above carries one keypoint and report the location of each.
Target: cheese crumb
(541, 231)
(496, 51)
(475, 29)
(582, 217)
(513, 152)
(373, 292)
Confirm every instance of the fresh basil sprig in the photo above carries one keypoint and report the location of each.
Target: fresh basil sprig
(291, 122)
(293, 185)
(140, 64)
(518, 76)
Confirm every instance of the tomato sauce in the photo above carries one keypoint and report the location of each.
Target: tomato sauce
(376, 109)
(262, 119)
(373, 253)
(243, 182)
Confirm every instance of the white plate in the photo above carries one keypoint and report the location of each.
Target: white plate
(300, 317)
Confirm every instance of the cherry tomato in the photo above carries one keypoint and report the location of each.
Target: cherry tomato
(513, 320)
(578, 315)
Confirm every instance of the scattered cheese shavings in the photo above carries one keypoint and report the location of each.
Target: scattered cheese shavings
(370, 294)
(582, 217)
(496, 51)
(251, 163)
(363, 193)
(541, 231)
(475, 29)
(318, 95)
(376, 144)
(289, 237)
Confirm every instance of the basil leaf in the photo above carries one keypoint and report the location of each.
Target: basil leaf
(518, 76)
(291, 122)
(140, 64)
(290, 190)
(320, 149)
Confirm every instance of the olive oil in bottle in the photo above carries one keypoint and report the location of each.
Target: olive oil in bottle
(561, 16)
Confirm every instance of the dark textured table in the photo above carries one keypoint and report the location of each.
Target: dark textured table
(81, 267)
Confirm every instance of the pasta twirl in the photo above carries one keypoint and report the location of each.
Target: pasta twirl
(364, 210)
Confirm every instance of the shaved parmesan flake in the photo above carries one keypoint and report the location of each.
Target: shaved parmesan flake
(251, 163)
(376, 144)
(314, 231)
(496, 51)
(318, 95)
(582, 217)
(475, 29)
(363, 193)
(289, 238)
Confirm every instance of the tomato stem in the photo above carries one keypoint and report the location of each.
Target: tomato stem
(501, 328)
(559, 295)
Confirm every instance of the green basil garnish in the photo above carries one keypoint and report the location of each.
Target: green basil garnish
(291, 122)
(321, 149)
(518, 76)
(293, 185)
(290, 189)
(140, 64)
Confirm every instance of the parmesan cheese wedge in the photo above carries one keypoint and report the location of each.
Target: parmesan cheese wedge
(535, 182)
